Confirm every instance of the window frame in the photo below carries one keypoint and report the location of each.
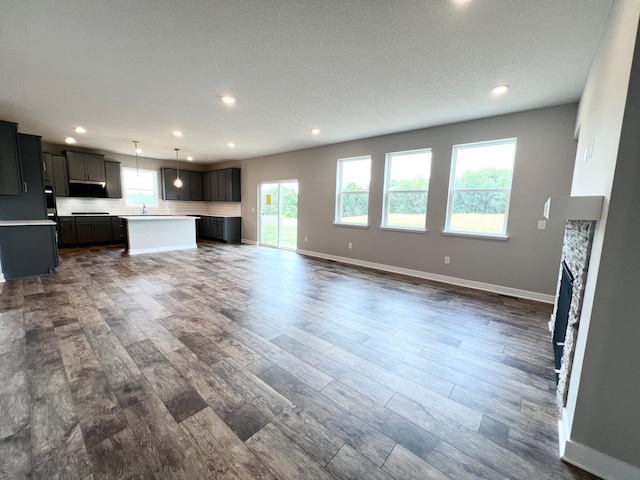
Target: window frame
(452, 178)
(125, 187)
(386, 197)
(340, 193)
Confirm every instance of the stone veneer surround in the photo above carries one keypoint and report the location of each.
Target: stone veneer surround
(576, 250)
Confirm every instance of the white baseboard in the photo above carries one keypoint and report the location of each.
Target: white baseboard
(138, 251)
(591, 460)
(488, 287)
(248, 242)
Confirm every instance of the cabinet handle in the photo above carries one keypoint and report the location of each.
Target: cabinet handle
(25, 187)
(44, 166)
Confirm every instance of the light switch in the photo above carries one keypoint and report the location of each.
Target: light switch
(542, 224)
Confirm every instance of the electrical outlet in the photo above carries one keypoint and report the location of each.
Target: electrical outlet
(542, 224)
(350, 245)
(447, 260)
(305, 239)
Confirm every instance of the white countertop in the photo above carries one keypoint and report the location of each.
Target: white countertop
(25, 223)
(156, 217)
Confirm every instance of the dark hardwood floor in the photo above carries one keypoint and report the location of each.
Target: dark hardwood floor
(243, 362)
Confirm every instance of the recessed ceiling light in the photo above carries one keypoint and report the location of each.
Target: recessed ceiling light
(315, 131)
(190, 159)
(70, 140)
(228, 100)
(231, 144)
(177, 133)
(500, 89)
(461, 3)
(80, 130)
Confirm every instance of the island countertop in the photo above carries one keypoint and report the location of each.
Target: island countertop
(25, 223)
(157, 217)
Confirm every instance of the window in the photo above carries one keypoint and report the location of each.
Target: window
(352, 191)
(406, 189)
(140, 186)
(480, 187)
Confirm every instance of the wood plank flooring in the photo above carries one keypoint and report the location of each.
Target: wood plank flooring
(244, 362)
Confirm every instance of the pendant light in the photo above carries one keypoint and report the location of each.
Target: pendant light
(135, 143)
(177, 182)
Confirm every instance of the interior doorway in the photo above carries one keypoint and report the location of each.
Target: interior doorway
(279, 214)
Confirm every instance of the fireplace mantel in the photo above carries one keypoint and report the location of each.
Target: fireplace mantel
(574, 208)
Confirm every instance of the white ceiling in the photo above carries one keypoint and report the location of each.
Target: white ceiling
(137, 70)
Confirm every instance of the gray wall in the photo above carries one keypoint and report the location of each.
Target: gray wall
(527, 261)
(603, 407)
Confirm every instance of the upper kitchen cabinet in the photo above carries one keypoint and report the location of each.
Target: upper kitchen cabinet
(112, 172)
(31, 204)
(86, 167)
(195, 184)
(55, 174)
(10, 168)
(191, 185)
(223, 185)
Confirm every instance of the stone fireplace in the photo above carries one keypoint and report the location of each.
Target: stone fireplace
(576, 250)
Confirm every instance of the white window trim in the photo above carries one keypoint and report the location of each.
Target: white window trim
(466, 233)
(384, 225)
(340, 193)
(155, 187)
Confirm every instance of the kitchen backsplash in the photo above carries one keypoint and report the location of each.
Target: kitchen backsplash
(116, 206)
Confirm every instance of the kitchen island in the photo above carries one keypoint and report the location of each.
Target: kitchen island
(159, 233)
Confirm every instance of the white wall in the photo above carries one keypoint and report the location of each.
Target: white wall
(603, 407)
(528, 261)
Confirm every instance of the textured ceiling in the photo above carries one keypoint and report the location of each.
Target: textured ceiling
(137, 70)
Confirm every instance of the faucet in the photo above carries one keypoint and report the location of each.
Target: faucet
(144, 208)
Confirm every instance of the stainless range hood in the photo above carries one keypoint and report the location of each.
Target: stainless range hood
(574, 208)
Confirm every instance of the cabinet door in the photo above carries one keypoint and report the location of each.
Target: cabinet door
(67, 229)
(112, 173)
(205, 227)
(235, 185)
(94, 165)
(117, 229)
(102, 230)
(184, 192)
(231, 231)
(222, 187)
(60, 177)
(75, 163)
(214, 186)
(84, 230)
(47, 168)
(206, 186)
(10, 168)
(195, 179)
(169, 191)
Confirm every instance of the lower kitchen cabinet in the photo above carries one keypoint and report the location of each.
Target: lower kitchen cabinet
(28, 250)
(85, 230)
(93, 229)
(225, 229)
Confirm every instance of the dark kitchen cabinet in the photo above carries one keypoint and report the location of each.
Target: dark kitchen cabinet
(222, 185)
(47, 168)
(195, 184)
(93, 229)
(117, 230)
(191, 185)
(225, 229)
(55, 174)
(112, 174)
(86, 167)
(28, 250)
(10, 167)
(67, 231)
(60, 176)
(31, 204)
